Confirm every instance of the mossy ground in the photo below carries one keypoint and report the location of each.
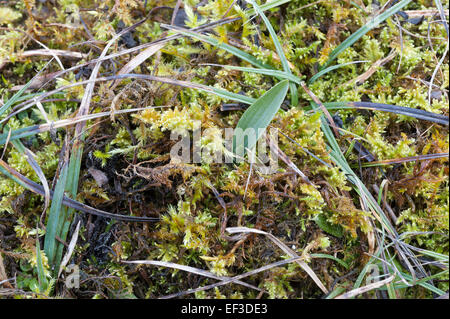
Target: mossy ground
(132, 151)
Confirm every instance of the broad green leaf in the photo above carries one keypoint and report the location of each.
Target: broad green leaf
(257, 117)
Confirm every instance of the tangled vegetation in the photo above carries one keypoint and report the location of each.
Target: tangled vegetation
(91, 91)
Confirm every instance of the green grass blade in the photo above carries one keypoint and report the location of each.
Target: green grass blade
(336, 292)
(267, 6)
(42, 278)
(339, 261)
(232, 96)
(339, 159)
(36, 129)
(294, 93)
(71, 188)
(363, 30)
(279, 48)
(424, 282)
(258, 116)
(54, 218)
(329, 69)
(278, 74)
(16, 97)
(276, 42)
(221, 45)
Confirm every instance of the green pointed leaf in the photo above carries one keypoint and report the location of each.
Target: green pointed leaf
(257, 117)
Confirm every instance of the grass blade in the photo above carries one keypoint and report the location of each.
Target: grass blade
(54, 218)
(189, 269)
(363, 30)
(339, 261)
(279, 48)
(329, 69)
(221, 45)
(416, 113)
(278, 74)
(268, 5)
(19, 93)
(36, 129)
(42, 278)
(406, 159)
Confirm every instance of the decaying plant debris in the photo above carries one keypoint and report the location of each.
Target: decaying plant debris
(90, 92)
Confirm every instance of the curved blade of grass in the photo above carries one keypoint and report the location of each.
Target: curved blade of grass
(338, 157)
(337, 291)
(220, 92)
(425, 285)
(189, 269)
(19, 93)
(284, 248)
(235, 278)
(221, 45)
(440, 257)
(363, 30)
(273, 35)
(416, 113)
(36, 129)
(329, 69)
(268, 5)
(138, 60)
(230, 95)
(259, 115)
(339, 261)
(279, 48)
(39, 173)
(406, 159)
(275, 73)
(366, 197)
